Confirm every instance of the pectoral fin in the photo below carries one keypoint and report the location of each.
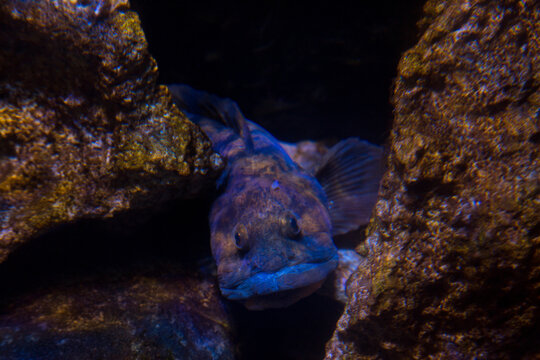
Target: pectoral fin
(349, 174)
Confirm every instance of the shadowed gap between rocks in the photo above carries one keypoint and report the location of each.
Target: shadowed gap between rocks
(105, 255)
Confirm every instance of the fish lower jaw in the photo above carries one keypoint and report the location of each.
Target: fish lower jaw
(282, 288)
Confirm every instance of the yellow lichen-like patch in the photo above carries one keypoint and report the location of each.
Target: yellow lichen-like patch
(130, 27)
(54, 207)
(11, 182)
(16, 123)
(66, 316)
(383, 279)
(411, 64)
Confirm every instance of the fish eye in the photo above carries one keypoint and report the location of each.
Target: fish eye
(292, 229)
(240, 236)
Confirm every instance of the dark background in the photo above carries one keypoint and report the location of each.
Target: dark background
(317, 71)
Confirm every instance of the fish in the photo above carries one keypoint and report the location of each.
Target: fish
(273, 223)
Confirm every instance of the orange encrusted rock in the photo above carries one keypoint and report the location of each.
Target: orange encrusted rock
(453, 264)
(145, 316)
(85, 131)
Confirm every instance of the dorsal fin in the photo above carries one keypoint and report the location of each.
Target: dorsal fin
(349, 174)
(213, 107)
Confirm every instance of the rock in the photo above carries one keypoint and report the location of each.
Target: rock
(453, 263)
(178, 316)
(85, 131)
(307, 154)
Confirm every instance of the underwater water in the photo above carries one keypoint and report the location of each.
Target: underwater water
(108, 194)
(317, 72)
(321, 72)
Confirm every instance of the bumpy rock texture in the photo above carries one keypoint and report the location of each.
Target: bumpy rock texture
(84, 129)
(454, 259)
(146, 317)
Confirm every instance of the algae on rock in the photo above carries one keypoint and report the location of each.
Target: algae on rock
(454, 266)
(141, 317)
(85, 131)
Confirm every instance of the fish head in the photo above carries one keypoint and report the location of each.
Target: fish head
(272, 242)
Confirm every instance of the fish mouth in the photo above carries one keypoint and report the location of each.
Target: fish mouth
(283, 287)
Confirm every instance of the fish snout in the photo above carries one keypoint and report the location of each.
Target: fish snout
(276, 253)
(270, 259)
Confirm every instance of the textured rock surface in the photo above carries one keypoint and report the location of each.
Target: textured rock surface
(147, 317)
(84, 129)
(454, 264)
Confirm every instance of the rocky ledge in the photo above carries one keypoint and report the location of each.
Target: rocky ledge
(85, 131)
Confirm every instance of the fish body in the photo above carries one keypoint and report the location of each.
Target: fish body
(272, 226)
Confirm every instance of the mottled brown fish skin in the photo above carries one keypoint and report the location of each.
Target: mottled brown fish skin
(270, 228)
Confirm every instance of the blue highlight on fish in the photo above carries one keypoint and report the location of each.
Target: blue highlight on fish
(272, 226)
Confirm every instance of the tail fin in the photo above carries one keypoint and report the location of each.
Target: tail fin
(213, 107)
